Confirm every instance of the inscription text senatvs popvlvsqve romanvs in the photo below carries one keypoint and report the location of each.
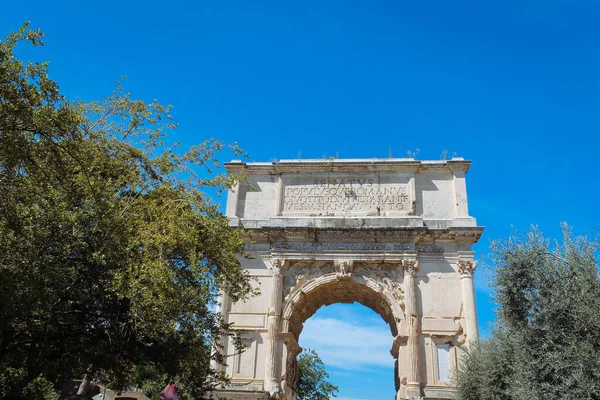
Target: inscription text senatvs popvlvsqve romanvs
(346, 196)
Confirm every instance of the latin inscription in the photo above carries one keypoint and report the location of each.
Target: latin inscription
(344, 196)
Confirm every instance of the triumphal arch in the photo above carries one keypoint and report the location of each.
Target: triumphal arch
(392, 234)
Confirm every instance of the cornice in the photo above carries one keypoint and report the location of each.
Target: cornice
(347, 165)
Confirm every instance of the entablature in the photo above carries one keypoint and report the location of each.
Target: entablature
(388, 238)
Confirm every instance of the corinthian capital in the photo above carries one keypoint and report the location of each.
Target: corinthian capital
(466, 267)
(276, 265)
(410, 265)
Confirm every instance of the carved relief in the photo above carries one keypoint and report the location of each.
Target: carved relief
(383, 278)
(343, 268)
(347, 236)
(377, 286)
(313, 247)
(386, 280)
(299, 273)
(430, 249)
(365, 236)
(404, 246)
(394, 289)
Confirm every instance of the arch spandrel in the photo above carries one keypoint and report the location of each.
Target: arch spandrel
(308, 286)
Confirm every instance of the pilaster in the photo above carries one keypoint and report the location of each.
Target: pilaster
(272, 385)
(413, 381)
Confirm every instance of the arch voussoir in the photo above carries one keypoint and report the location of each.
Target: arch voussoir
(376, 286)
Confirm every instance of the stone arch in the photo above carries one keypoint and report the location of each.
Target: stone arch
(309, 286)
(376, 286)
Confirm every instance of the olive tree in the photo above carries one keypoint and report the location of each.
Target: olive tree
(546, 342)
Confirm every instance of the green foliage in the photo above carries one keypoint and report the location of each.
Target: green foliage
(38, 388)
(111, 250)
(313, 381)
(546, 344)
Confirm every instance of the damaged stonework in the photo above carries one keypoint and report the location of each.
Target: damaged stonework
(392, 234)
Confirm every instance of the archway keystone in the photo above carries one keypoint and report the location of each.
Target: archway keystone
(391, 234)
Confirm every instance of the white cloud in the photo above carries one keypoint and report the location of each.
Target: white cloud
(348, 346)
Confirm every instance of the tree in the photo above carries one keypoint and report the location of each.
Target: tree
(111, 250)
(546, 343)
(313, 378)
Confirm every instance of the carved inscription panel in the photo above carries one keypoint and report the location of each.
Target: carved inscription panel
(342, 194)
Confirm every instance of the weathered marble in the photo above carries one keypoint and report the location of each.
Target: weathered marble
(392, 234)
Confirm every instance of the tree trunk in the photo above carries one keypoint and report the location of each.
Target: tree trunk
(83, 387)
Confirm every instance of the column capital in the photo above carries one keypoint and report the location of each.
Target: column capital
(466, 267)
(410, 266)
(277, 265)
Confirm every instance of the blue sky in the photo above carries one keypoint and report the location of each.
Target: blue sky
(512, 85)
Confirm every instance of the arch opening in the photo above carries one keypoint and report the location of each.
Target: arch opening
(354, 343)
(382, 295)
(340, 291)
